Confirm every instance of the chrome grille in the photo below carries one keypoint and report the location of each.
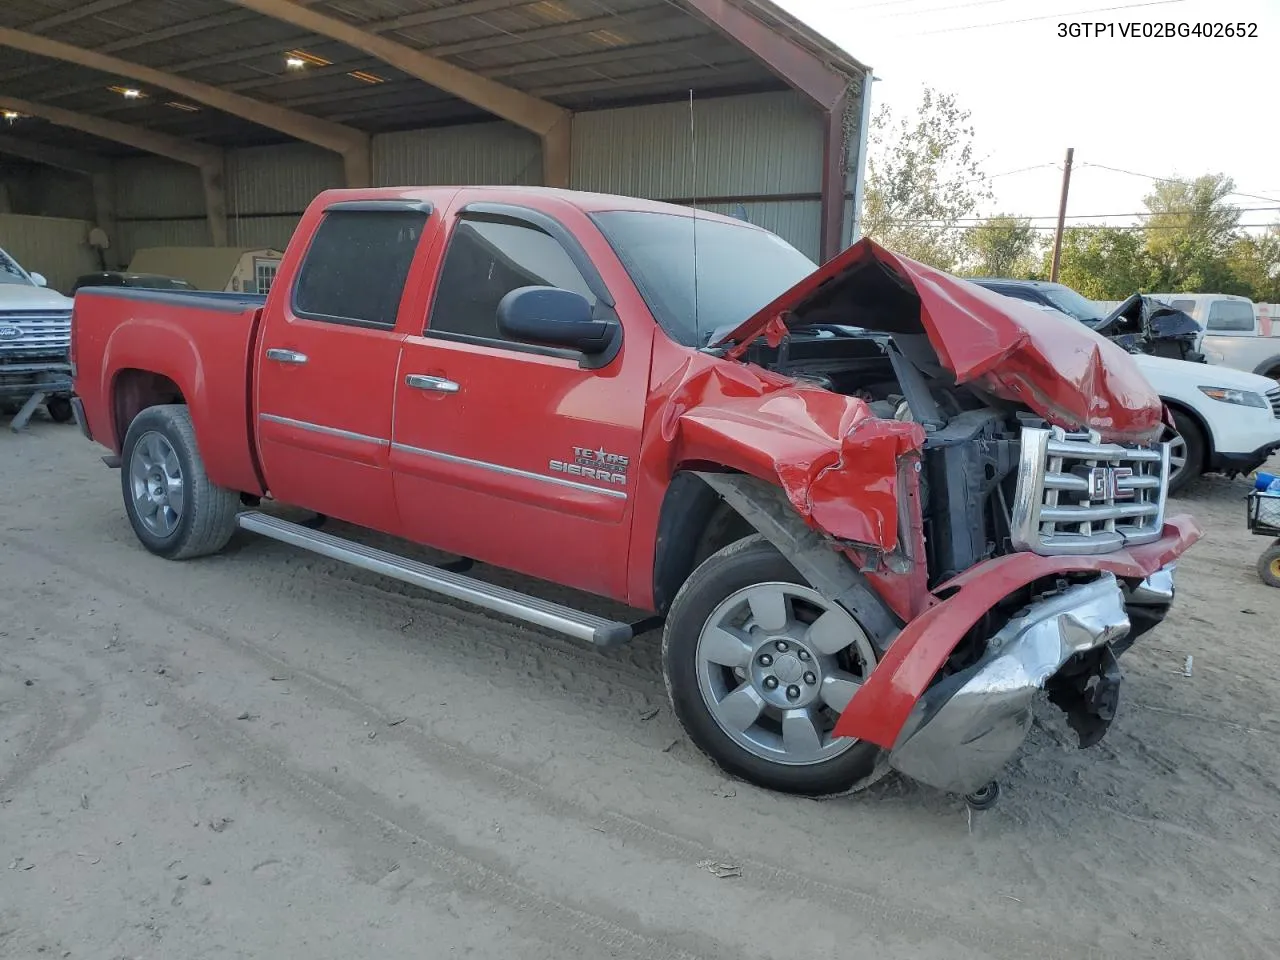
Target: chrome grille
(1274, 397)
(42, 333)
(1079, 496)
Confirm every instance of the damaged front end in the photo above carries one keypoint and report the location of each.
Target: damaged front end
(966, 727)
(991, 489)
(1145, 325)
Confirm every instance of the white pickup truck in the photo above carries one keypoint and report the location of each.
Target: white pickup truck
(35, 336)
(1233, 331)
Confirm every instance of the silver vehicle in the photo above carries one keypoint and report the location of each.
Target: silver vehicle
(35, 336)
(1233, 334)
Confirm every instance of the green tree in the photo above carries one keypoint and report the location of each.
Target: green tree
(1103, 263)
(922, 178)
(1254, 265)
(1189, 233)
(1004, 246)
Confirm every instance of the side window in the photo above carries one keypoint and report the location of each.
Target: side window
(486, 260)
(356, 266)
(1186, 306)
(1231, 315)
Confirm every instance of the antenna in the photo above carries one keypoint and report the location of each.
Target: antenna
(693, 191)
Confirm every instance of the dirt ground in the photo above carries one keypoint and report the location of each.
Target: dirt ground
(266, 754)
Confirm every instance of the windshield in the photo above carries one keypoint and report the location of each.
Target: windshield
(10, 272)
(1072, 303)
(740, 269)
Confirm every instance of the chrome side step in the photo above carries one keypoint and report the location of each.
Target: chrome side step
(543, 613)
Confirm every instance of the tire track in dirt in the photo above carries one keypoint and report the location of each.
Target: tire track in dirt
(908, 922)
(53, 728)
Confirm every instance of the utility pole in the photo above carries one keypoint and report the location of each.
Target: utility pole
(1062, 215)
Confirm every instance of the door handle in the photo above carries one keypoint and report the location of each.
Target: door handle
(286, 356)
(420, 381)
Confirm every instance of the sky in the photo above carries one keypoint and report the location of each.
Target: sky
(1162, 107)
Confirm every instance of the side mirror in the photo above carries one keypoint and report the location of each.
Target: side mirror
(39, 280)
(555, 317)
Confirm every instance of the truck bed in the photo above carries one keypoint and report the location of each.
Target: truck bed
(196, 344)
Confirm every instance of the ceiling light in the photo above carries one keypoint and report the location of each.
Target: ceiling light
(129, 93)
(307, 58)
(12, 115)
(365, 77)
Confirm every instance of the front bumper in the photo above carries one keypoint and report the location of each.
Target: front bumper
(887, 702)
(20, 380)
(965, 728)
(1236, 463)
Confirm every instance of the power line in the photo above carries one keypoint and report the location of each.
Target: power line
(1051, 16)
(1072, 216)
(1148, 176)
(948, 8)
(1087, 226)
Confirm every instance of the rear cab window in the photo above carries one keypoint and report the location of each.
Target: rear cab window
(1231, 316)
(355, 269)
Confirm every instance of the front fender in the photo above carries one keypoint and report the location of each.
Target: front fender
(836, 462)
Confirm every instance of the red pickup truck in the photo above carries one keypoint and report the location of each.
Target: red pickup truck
(874, 508)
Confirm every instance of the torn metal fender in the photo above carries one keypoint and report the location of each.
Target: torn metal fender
(815, 557)
(882, 705)
(834, 459)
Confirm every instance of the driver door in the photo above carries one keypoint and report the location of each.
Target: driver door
(510, 453)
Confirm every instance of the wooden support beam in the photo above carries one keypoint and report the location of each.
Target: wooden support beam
(347, 141)
(510, 104)
(50, 156)
(802, 70)
(541, 117)
(208, 159)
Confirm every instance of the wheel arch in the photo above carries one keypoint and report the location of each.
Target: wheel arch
(1269, 367)
(1206, 431)
(694, 522)
(132, 391)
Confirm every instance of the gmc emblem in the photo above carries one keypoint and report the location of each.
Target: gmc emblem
(1104, 483)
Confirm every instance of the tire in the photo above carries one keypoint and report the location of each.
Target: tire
(60, 410)
(705, 693)
(1191, 439)
(175, 511)
(1269, 565)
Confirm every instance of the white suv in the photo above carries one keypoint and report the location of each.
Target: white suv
(1227, 420)
(35, 336)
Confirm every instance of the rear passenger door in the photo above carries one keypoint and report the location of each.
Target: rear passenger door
(327, 364)
(518, 455)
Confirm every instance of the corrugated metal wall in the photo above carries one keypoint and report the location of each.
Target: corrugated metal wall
(764, 149)
(55, 247)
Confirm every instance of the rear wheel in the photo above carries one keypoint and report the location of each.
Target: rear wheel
(1186, 452)
(759, 666)
(175, 510)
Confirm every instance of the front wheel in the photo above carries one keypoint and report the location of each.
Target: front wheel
(60, 410)
(175, 510)
(759, 666)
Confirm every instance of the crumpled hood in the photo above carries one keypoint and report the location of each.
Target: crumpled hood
(21, 296)
(1065, 372)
